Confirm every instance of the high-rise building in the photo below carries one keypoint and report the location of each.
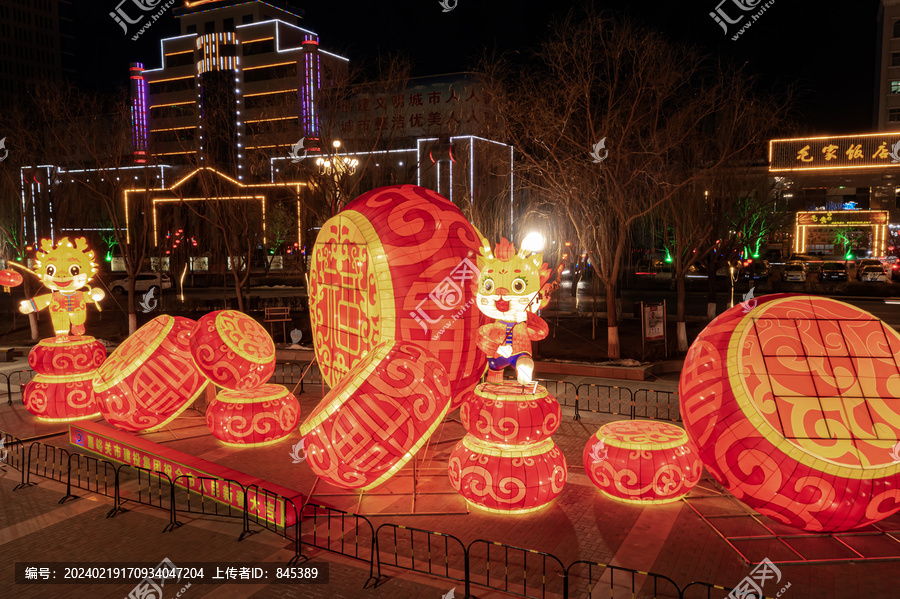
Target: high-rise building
(241, 81)
(887, 99)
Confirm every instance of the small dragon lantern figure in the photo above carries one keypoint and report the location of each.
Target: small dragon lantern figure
(511, 291)
(65, 270)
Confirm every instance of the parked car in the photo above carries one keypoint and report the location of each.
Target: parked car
(863, 264)
(794, 272)
(833, 271)
(758, 270)
(873, 274)
(143, 282)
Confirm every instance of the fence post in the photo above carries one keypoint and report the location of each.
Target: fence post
(9, 391)
(25, 462)
(577, 413)
(466, 574)
(246, 532)
(173, 521)
(117, 507)
(69, 479)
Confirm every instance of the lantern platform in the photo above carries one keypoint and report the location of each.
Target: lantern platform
(61, 391)
(642, 461)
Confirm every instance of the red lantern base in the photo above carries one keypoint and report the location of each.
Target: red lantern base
(510, 413)
(516, 479)
(253, 417)
(61, 398)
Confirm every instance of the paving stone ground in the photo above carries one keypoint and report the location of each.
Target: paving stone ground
(581, 525)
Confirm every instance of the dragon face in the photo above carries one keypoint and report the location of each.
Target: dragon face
(509, 283)
(66, 267)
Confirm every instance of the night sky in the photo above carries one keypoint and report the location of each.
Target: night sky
(826, 47)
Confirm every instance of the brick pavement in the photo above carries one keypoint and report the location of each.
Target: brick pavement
(581, 524)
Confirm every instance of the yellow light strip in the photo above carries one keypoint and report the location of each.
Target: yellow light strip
(280, 118)
(172, 79)
(173, 128)
(831, 168)
(182, 52)
(262, 39)
(266, 66)
(171, 104)
(173, 153)
(278, 91)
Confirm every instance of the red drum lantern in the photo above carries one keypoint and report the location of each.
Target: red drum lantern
(233, 350)
(150, 379)
(61, 391)
(398, 263)
(10, 278)
(377, 417)
(792, 402)
(507, 463)
(516, 479)
(75, 356)
(253, 417)
(510, 413)
(642, 461)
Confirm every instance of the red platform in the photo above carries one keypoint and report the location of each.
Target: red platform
(118, 446)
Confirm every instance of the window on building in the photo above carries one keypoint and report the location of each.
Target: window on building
(247, 19)
(192, 28)
(895, 87)
(209, 27)
(228, 24)
(895, 59)
(894, 115)
(180, 60)
(897, 28)
(258, 47)
(274, 72)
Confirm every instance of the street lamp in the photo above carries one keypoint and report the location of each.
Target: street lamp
(338, 165)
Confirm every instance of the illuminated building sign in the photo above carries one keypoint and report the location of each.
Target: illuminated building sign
(810, 221)
(875, 150)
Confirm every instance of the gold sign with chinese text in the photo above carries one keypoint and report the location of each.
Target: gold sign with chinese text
(843, 218)
(875, 150)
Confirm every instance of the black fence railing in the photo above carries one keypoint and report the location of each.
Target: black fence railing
(15, 382)
(488, 564)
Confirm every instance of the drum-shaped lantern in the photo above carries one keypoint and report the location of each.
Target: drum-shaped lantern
(233, 350)
(510, 413)
(77, 355)
(149, 379)
(62, 391)
(397, 263)
(377, 417)
(510, 480)
(792, 402)
(642, 461)
(253, 417)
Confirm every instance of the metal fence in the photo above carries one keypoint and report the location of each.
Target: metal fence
(15, 382)
(487, 564)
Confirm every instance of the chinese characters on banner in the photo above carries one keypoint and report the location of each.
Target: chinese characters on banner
(862, 151)
(271, 508)
(454, 107)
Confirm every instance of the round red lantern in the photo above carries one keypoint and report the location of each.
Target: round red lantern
(61, 398)
(642, 461)
(510, 413)
(253, 417)
(233, 350)
(77, 355)
(377, 417)
(792, 403)
(397, 263)
(149, 379)
(62, 390)
(507, 479)
(10, 278)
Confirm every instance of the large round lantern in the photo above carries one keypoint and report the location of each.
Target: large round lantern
(253, 417)
(377, 417)
(510, 413)
(515, 479)
(149, 379)
(642, 461)
(62, 391)
(792, 402)
(397, 263)
(10, 278)
(233, 350)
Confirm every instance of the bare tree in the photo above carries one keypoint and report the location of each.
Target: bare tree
(600, 80)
